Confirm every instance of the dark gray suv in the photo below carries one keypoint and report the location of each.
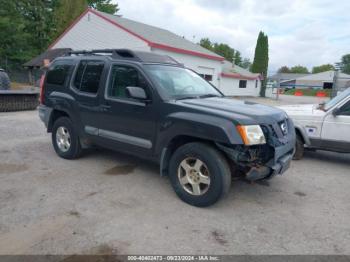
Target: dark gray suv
(152, 107)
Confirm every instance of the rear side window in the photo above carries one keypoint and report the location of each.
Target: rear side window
(57, 74)
(88, 76)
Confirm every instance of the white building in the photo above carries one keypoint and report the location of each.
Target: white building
(98, 30)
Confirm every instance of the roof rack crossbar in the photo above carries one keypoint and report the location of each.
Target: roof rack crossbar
(126, 54)
(116, 53)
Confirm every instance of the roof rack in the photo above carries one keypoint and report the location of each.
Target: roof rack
(115, 53)
(127, 54)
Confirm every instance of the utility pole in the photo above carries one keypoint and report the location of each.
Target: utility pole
(278, 88)
(335, 83)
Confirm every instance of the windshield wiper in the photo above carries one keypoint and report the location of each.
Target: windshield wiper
(186, 97)
(208, 95)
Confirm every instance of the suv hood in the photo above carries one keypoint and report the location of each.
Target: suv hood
(298, 109)
(303, 112)
(243, 112)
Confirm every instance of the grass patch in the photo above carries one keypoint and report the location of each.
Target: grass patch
(308, 92)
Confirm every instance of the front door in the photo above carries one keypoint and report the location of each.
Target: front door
(127, 124)
(336, 129)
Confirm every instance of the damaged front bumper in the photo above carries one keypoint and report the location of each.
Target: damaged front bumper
(269, 170)
(264, 161)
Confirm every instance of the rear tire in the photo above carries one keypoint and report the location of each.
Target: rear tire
(299, 148)
(65, 139)
(199, 174)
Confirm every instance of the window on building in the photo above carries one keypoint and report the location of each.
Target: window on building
(88, 75)
(123, 76)
(57, 74)
(207, 77)
(242, 83)
(256, 83)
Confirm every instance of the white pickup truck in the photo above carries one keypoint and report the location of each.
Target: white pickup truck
(325, 126)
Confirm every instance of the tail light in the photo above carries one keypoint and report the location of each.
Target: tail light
(42, 80)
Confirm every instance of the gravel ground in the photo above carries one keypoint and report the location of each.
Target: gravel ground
(111, 203)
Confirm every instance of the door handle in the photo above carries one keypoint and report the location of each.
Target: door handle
(105, 108)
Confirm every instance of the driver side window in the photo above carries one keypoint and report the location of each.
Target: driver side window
(345, 109)
(121, 77)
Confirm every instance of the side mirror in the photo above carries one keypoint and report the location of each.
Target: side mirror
(336, 111)
(136, 93)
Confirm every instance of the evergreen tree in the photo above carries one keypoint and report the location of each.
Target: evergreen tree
(237, 58)
(261, 59)
(345, 64)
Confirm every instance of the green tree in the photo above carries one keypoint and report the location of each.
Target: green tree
(298, 69)
(103, 6)
(24, 30)
(224, 50)
(246, 64)
(65, 13)
(345, 64)
(283, 69)
(206, 43)
(229, 53)
(237, 58)
(322, 68)
(261, 59)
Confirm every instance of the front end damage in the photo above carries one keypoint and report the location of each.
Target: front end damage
(264, 161)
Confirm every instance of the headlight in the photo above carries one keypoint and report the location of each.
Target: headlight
(251, 135)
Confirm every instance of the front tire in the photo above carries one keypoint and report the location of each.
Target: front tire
(199, 174)
(65, 139)
(299, 148)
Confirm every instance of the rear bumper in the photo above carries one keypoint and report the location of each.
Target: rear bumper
(44, 114)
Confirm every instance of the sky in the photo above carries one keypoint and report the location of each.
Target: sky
(301, 32)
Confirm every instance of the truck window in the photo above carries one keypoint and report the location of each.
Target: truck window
(57, 74)
(345, 109)
(88, 76)
(121, 77)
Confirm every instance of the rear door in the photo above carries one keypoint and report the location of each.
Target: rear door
(127, 124)
(57, 78)
(86, 86)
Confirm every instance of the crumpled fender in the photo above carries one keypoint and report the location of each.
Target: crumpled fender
(216, 129)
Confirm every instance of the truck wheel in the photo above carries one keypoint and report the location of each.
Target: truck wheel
(65, 139)
(199, 174)
(299, 148)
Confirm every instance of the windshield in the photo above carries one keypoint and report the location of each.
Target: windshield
(180, 83)
(337, 99)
